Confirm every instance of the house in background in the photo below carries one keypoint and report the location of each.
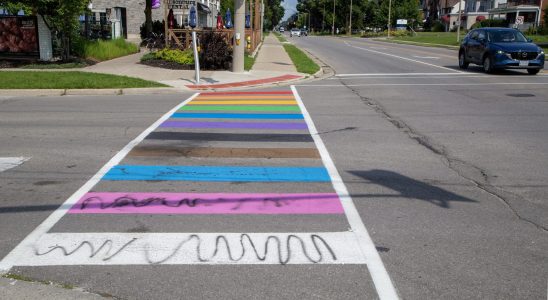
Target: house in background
(125, 17)
(521, 14)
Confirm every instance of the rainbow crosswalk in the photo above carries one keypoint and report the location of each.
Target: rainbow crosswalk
(225, 178)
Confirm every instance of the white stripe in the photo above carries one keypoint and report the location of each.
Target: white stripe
(426, 57)
(401, 74)
(404, 58)
(7, 163)
(423, 84)
(102, 248)
(381, 279)
(16, 255)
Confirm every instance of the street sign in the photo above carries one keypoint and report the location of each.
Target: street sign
(519, 20)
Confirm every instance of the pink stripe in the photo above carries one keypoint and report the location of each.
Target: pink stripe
(198, 203)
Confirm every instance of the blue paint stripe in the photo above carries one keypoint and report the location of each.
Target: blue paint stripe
(237, 116)
(217, 173)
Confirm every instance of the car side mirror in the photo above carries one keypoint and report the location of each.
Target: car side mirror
(529, 40)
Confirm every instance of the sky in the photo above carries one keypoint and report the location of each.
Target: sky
(289, 6)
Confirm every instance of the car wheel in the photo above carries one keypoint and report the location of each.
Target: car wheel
(463, 64)
(533, 71)
(488, 65)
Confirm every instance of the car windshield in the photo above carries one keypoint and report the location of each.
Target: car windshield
(506, 36)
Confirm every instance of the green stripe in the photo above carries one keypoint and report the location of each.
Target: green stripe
(241, 108)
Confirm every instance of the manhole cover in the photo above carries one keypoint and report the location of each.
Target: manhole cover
(520, 95)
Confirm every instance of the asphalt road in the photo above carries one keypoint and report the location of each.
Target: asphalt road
(447, 170)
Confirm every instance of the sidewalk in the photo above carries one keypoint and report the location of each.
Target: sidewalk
(272, 62)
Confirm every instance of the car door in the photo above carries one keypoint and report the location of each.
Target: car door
(472, 46)
(481, 46)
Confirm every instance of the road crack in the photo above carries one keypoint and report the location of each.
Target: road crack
(466, 170)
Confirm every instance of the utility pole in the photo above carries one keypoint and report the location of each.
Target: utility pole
(389, 11)
(333, 27)
(323, 18)
(239, 37)
(350, 26)
(458, 22)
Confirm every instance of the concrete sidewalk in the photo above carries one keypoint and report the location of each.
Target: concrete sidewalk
(271, 61)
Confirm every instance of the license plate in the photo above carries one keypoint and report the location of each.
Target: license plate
(523, 63)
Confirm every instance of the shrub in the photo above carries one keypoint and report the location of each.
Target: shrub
(185, 57)
(157, 27)
(490, 23)
(148, 56)
(437, 26)
(215, 52)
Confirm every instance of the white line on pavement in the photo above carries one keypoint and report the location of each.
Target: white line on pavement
(7, 163)
(404, 58)
(426, 57)
(28, 243)
(383, 283)
(399, 74)
(121, 248)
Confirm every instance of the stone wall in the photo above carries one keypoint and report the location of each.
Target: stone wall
(135, 13)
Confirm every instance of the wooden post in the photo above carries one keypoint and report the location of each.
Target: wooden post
(166, 2)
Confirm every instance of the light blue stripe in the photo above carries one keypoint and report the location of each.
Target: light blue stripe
(236, 116)
(217, 173)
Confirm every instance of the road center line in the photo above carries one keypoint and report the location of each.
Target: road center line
(401, 57)
(383, 284)
(400, 74)
(27, 243)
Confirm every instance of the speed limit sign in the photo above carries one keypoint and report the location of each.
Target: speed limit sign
(519, 20)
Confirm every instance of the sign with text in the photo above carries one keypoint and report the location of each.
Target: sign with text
(18, 36)
(180, 4)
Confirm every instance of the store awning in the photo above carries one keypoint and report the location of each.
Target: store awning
(204, 8)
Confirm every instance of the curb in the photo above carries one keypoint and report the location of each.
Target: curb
(89, 92)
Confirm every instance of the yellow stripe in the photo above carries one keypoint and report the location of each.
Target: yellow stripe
(273, 102)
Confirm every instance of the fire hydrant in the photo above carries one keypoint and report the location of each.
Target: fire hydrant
(248, 40)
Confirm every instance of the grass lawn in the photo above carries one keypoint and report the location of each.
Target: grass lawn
(104, 50)
(302, 62)
(248, 62)
(69, 80)
(280, 37)
(441, 38)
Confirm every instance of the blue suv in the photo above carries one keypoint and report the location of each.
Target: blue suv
(500, 48)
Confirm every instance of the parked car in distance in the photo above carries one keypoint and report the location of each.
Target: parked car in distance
(282, 30)
(500, 48)
(295, 31)
(304, 32)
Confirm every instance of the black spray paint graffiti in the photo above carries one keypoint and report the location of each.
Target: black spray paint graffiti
(246, 242)
(192, 202)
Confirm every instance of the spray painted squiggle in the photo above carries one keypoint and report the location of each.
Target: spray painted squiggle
(283, 255)
(130, 201)
(94, 252)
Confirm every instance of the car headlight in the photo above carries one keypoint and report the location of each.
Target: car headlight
(504, 53)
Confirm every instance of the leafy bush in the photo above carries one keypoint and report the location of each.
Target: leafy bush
(215, 53)
(148, 56)
(185, 57)
(393, 33)
(157, 27)
(437, 26)
(490, 23)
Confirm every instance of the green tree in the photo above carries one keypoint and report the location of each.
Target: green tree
(273, 13)
(62, 15)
